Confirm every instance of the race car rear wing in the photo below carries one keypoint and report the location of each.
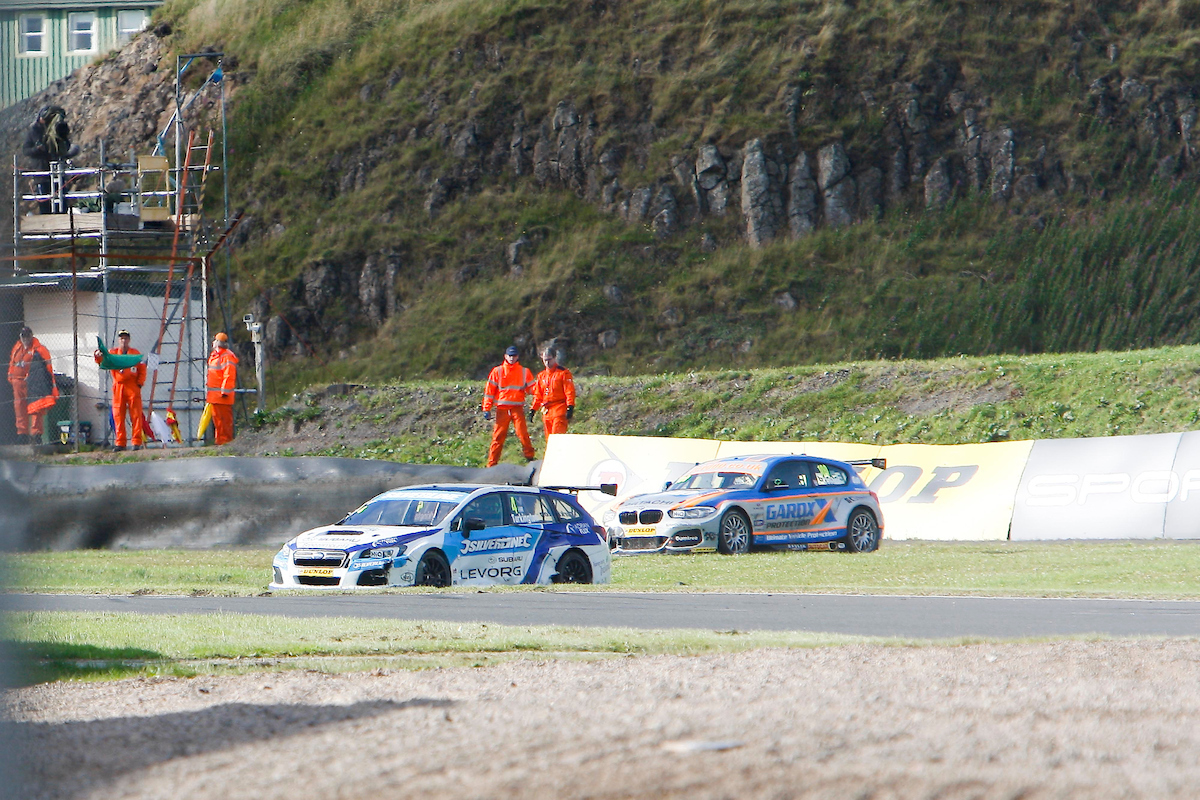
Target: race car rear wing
(605, 488)
(877, 463)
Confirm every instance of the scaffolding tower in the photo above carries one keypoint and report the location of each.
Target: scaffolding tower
(129, 244)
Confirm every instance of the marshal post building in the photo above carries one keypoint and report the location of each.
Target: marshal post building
(44, 40)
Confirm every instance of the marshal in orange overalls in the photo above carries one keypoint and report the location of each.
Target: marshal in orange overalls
(127, 395)
(506, 388)
(554, 392)
(222, 380)
(29, 422)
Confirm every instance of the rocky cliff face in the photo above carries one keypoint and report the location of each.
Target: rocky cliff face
(937, 143)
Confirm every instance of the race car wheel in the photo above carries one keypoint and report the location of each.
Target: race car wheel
(733, 537)
(862, 532)
(573, 567)
(433, 570)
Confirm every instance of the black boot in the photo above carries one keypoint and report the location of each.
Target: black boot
(22, 438)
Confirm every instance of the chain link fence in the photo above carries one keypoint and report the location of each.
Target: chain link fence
(69, 316)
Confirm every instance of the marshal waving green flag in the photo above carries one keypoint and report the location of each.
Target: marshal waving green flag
(115, 360)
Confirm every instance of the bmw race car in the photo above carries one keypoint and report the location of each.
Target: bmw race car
(733, 504)
(451, 535)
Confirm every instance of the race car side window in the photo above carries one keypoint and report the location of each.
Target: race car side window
(565, 511)
(527, 509)
(829, 475)
(792, 474)
(487, 508)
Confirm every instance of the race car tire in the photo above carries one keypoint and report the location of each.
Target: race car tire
(862, 532)
(733, 536)
(573, 567)
(433, 570)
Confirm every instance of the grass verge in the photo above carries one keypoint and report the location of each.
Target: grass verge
(51, 646)
(1134, 569)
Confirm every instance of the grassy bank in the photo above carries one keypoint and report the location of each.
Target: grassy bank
(1152, 569)
(346, 112)
(938, 401)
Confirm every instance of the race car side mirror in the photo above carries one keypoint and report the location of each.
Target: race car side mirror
(472, 524)
(666, 486)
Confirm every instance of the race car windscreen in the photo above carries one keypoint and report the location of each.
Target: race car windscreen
(411, 512)
(716, 480)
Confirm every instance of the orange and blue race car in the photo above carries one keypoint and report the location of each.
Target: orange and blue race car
(731, 505)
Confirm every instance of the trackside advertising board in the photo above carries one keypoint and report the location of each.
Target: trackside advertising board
(1115, 487)
(959, 492)
(928, 491)
(1183, 490)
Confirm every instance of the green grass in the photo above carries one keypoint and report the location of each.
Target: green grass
(223, 572)
(50, 646)
(1152, 569)
(1075, 569)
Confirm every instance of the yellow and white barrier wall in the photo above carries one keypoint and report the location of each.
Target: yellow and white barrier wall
(1119, 487)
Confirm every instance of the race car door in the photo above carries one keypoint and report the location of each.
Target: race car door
(829, 484)
(788, 511)
(496, 554)
(529, 515)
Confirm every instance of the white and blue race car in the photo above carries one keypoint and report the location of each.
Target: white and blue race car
(733, 504)
(450, 535)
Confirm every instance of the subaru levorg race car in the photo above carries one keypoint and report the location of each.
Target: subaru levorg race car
(451, 535)
(733, 504)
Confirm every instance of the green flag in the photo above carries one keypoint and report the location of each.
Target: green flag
(115, 361)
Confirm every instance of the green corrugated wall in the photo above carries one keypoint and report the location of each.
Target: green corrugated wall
(22, 76)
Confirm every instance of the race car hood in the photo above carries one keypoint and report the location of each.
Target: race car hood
(661, 499)
(350, 537)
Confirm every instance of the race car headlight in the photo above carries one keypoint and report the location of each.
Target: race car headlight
(609, 515)
(383, 552)
(692, 512)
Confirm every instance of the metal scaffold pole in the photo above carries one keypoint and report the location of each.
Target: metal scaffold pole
(74, 338)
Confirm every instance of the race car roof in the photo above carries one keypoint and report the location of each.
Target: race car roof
(761, 461)
(461, 488)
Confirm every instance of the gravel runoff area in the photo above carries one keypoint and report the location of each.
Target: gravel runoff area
(1067, 719)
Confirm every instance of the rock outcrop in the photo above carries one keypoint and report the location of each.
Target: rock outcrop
(761, 198)
(802, 208)
(838, 189)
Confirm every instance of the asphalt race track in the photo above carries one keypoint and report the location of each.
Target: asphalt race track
(862, 615)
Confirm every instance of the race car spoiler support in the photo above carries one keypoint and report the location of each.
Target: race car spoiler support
(877, 463)
(605, 488)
